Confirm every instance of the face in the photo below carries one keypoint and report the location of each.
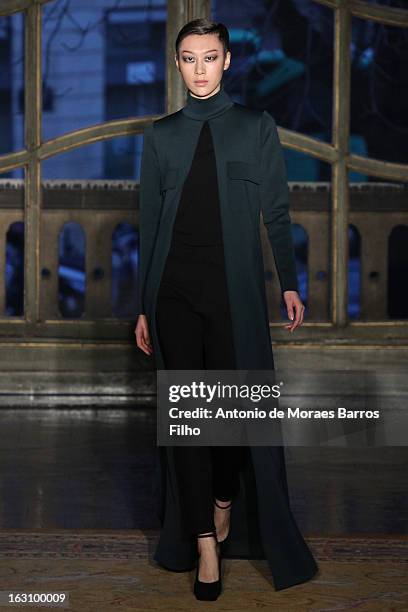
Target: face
(201, 62)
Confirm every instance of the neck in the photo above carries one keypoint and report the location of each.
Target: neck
(207, 108)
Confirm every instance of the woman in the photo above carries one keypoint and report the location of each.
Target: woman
(207, 172)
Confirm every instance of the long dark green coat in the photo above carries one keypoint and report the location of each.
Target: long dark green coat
(251, 179)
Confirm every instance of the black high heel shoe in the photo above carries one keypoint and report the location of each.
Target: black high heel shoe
(222, 543)
(208, 591)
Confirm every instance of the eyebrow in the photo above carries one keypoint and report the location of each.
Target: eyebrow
(209, 51)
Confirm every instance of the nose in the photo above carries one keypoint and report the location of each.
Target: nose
(200, 67)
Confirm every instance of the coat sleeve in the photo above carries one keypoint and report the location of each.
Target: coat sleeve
(274, 192)
(149, 209)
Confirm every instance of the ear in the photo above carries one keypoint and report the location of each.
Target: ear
(227, 60)
(176, 60)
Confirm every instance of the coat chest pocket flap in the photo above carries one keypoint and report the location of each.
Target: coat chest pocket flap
(169, 180)
(247, 171)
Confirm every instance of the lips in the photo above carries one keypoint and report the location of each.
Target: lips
(200, 82)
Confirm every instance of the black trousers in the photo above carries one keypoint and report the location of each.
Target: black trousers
(195, 333)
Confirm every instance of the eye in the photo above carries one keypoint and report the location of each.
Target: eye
(187, 58)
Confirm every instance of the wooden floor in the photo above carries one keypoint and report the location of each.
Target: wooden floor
(108, 570)
(77, 514)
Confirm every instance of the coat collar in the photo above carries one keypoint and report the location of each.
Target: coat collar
(207, 108)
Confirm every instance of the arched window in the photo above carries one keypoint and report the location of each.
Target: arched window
(398, 272)
(354, 273)
(125, 239)
(71, 270)
(14, 273)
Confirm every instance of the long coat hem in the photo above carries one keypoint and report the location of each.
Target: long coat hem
(262, 526)
(300, 579)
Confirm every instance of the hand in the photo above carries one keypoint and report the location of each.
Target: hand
(293, 302)
(142, 335)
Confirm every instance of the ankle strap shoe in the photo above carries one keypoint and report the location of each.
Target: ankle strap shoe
(222, 507)
(222, 543)
(208, 591)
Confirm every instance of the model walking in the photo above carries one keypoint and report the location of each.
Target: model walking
(207, 173)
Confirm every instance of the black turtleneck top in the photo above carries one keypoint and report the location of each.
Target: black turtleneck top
(198, 218)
